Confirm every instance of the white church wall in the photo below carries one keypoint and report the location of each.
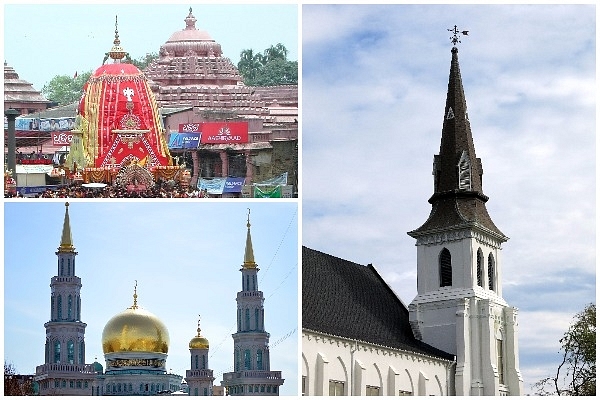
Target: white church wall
(357, 368)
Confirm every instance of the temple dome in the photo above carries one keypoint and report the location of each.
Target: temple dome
(135, 330)
(190, 41)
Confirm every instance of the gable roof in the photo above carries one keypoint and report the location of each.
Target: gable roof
(346, 299)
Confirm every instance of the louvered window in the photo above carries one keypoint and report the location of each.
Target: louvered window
(479, 268)
(491, 272)
(445, 268)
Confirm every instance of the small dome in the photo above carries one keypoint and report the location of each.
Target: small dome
(135, 330)
(98, 367)
(199, 341)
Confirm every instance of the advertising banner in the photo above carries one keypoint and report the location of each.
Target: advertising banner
(184, 140)
(57, 124)
(27, 124)
(190, 127)
(267, 192)
(233, 185)
(224, 132)
(61, 138)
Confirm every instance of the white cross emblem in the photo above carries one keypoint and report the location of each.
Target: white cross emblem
(128, 93)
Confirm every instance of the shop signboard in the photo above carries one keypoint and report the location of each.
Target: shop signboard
(224, 132)
(61, 138)
(180, 140)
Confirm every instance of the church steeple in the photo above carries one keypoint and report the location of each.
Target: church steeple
(66, 240)
(458, 200)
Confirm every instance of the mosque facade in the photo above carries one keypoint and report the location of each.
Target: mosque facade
(458, 336)
(135, 343)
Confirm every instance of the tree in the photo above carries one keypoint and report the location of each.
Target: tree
(143, 62)
(14, 385)
(268, 68)
(64, 89)
(576, 374)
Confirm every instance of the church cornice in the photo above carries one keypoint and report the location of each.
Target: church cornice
(469, 230)
(340, 341)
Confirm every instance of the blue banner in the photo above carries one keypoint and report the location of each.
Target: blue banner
(179, 140)
(233, 185)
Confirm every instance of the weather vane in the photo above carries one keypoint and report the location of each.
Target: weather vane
(455, 37)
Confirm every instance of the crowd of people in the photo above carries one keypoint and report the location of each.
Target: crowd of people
(156, 191)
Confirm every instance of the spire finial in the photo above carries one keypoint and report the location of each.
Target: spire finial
(66, 240)
(198, 330)
(116, 52)
(190, 21)
(135, 306)
(455, 38)
(249, 253)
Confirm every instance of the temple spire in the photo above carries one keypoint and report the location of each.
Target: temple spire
(249, 252)
(134, 306)
(66, 240)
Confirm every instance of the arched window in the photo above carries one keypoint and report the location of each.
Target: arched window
(70, 307)
(256, 325)
(70, 352)
(203, 361)
(56, 352)
(81, 353)
(237, 359)
(247, 359)
(254, 282)
(206, 391)
(247, 319)
(445, 268)
(195, 391)
(259, 362)
(479, 268)
(69, 267)
(59, 307)
(196, 361)
(500, 358)
(78, 308)
(62, 266)
(247, 282)
(491, 272)
(52, 308)
(239, 319)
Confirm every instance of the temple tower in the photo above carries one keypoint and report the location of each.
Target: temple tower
(459, 306)
(64, 370)
(199, 377)
(252, 374)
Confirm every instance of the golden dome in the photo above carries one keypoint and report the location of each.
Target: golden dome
(137, 330)
(199, 341)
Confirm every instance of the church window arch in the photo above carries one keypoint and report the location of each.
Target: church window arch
(206, 391)
(56, 351)
(479, 268)
(69, 307)
(195, 391)
(78, 308)
(491, 272)
(52, 308)
(247, 282)
(59, 307)
(445, 268)
(237, 359)
(500, 357)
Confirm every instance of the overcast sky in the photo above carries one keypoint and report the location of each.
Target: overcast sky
(42, 41)
(374, 84)
(186, 258)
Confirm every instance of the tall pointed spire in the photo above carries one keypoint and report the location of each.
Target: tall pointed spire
(249, 253)
(458, 199)
(66, 240)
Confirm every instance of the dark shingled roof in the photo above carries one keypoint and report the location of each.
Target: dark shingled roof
(453, 207)
(349, 300)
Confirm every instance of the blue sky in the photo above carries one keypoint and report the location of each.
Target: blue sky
(186, 258)
(65, 38)
(374, 83)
